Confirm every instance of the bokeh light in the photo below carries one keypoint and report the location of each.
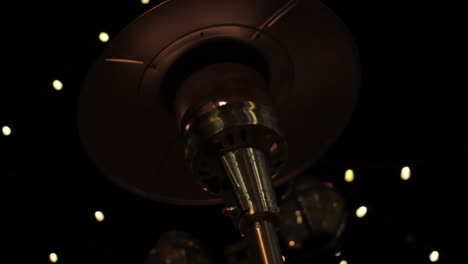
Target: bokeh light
(434, 256)
(58, 85)
(405, 173)
(53, 257)
(349, 175)
(6, 130)
(361, 211)
(99, 216)
(103, 37)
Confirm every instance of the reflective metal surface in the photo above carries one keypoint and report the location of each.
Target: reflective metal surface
(267, 242)
(249, 173)
(248, 170)
(216, 131)
(232, 147)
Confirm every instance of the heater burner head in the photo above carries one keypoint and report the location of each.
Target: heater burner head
(128, 121)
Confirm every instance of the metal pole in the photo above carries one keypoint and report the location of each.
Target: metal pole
(248, 169)
(267, 241)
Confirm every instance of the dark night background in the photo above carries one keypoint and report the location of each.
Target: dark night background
(411, 112)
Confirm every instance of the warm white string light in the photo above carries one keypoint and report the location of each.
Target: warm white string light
(405, 173)
(145, 2)
(349, 175)
(53, 257)
(58, 85)
(434, 256)
(99, 216)
(104, 37)
(6, 130)
(361, 211)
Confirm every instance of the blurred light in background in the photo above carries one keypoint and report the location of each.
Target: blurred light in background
(53, 257)
(99, 216)
(405, 173)
(434, 256)
(361, 211)
(6, 130)
(103, 37)
(349, 175)
(58, 85)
